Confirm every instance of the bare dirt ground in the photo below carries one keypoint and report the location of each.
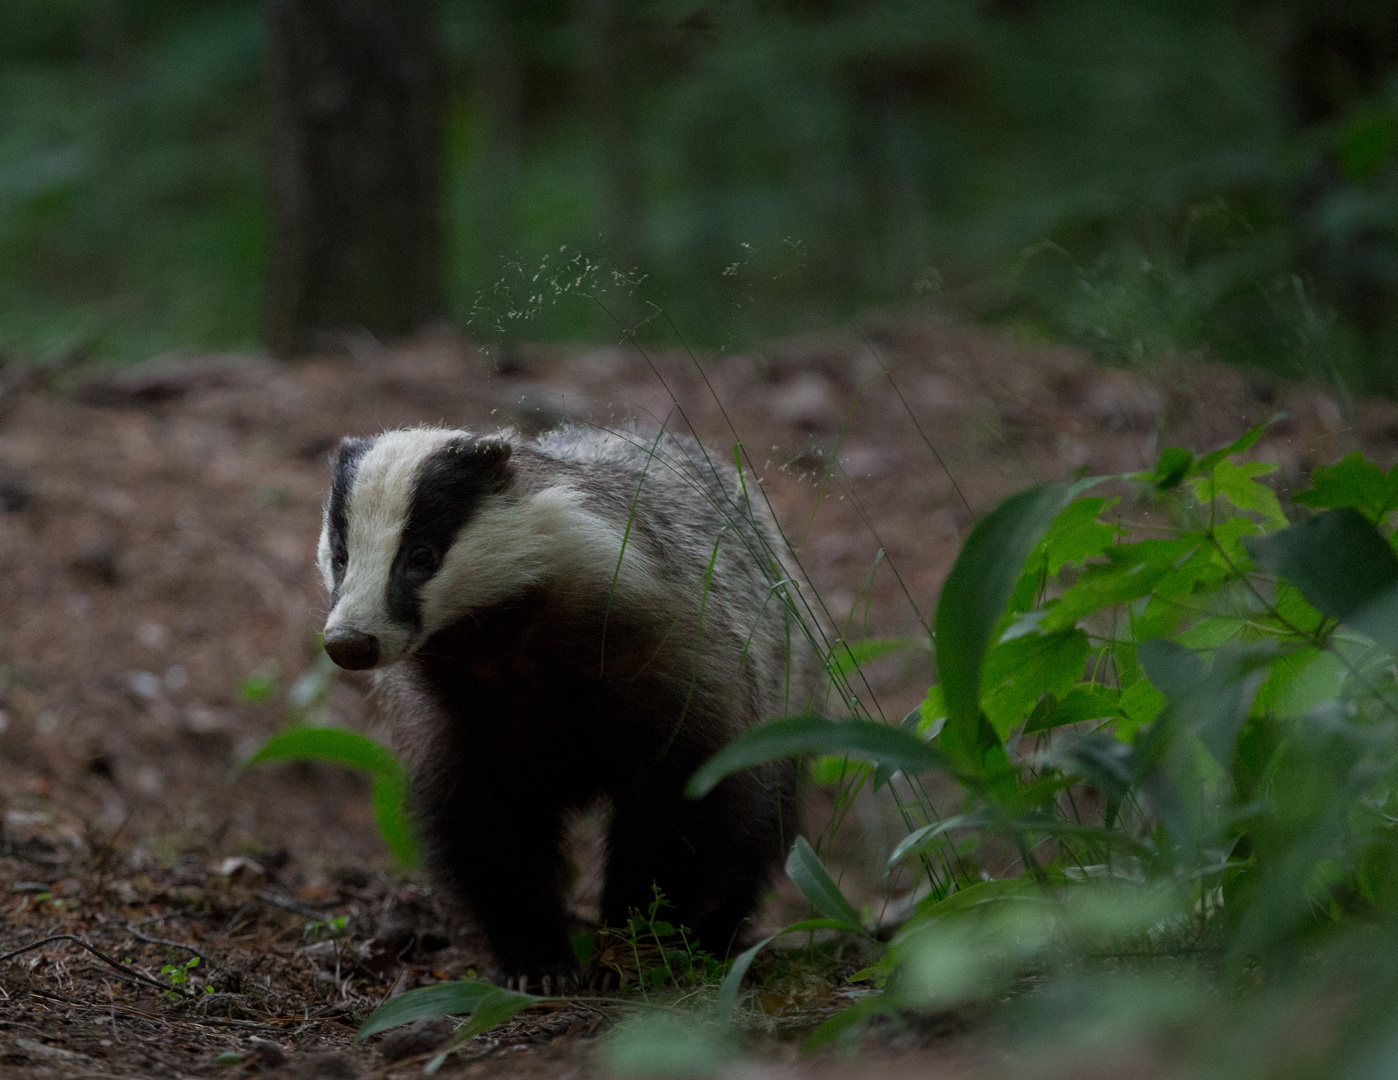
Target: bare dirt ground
(157, 532)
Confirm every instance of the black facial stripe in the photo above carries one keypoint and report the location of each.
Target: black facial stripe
(447, 490)
(345, 464)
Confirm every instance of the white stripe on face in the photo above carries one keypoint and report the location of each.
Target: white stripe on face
(377, 507)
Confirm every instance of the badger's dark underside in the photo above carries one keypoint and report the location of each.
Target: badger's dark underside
(535, 720)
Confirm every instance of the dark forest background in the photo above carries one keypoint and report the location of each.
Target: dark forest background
(1146, 178)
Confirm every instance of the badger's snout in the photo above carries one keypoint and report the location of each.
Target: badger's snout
(352, 650)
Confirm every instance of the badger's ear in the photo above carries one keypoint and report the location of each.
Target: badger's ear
(347, 454)
(493, 455)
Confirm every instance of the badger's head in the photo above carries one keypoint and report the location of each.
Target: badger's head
(416, 533)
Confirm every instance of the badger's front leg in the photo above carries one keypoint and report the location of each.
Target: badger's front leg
(506, 862)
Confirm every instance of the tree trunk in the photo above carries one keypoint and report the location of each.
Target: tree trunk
(356, 169)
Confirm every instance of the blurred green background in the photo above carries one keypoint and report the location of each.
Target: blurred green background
(1146, 178)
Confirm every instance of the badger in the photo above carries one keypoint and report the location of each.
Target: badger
(583, 617)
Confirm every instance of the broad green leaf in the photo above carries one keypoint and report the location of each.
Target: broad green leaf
(912, 724)
(920, 840)
(1238, 485)
(974, 596)
(848, 655)
(1132, 571)
(389, 782)
(1211, 702)
(584, 946)
(728, 989)
(867, 739)
(1353, 484)
(1300, 681)
(804, 868)
(1343, 567)
(832, 768)
(932, 711)
(1212, 632)
(1170, 470)
(444, 999)
(1104, 762)
(1140, 703)
(490, 1012)
(1082, 704)
(1292, 607)
(1230, 536)
(1184, 576)
(1019, 672)
(979, 895)
(1243, 442)
(328, 744)
(1076, 535)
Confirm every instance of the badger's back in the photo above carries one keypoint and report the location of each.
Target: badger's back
(722, 584)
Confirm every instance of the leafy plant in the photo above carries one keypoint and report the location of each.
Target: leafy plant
(178, 974)
(1178, 736)
(651, 952)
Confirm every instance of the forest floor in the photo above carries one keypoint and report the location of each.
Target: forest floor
(158, 596)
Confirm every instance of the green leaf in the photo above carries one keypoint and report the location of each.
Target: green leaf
(584, 946)
(804, 868)
(867, 739)
(444, 999)
(728, 989)
(932, 712)
(1342, 565)
(973, 896)
(1243, 442)
(388, 780)
(1236, 483)
(1211, 632)
(1353, 484)
(832, 769)
(1082, 704)
(1169, 471)
(920, 840)
(1132, 571)
(1140, 703)
(1300, 681)
(849, 655)
(1211, 702)
(1019, 672)
(1075, 535)
(973, 598)
(490, 1011)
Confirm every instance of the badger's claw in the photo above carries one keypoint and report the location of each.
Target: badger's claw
(544, 981)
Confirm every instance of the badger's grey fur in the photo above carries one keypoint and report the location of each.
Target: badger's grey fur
(587, 615)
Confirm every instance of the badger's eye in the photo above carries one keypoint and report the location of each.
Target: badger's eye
(422, 559)
(339, 556)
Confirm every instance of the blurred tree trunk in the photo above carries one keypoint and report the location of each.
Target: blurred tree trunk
(609, 84)
(356, 169)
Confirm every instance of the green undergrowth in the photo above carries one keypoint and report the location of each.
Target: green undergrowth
(1169, 708)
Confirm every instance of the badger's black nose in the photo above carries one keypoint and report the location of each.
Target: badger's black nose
(352, 650)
